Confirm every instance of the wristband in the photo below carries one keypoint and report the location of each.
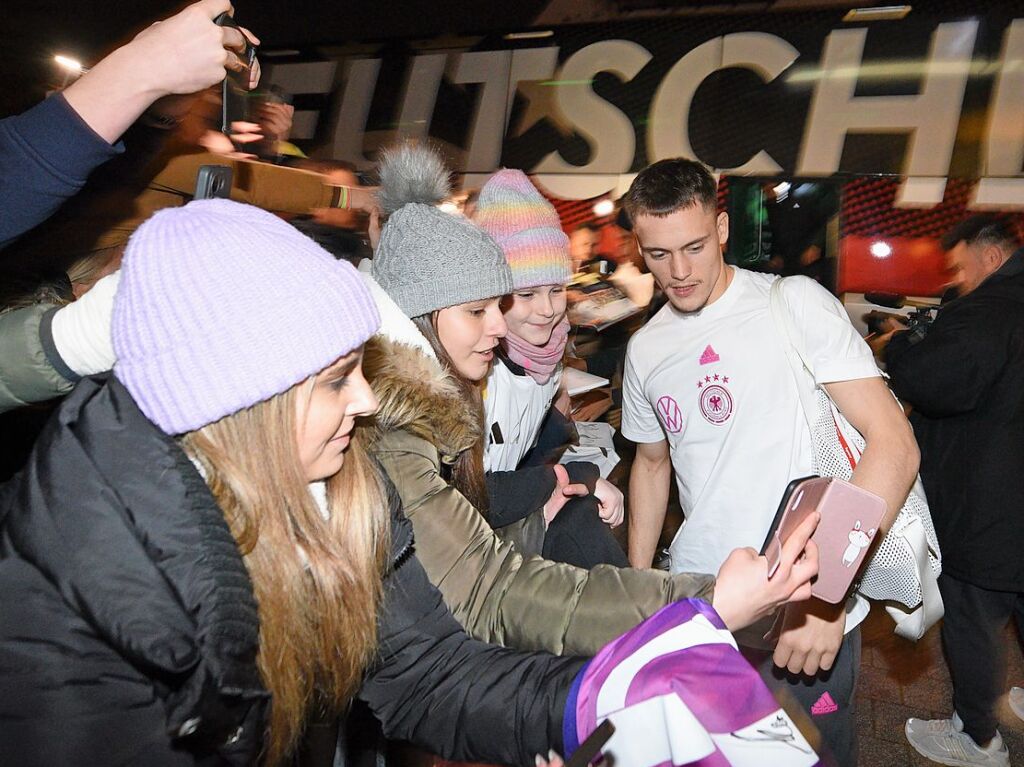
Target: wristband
(341, 198)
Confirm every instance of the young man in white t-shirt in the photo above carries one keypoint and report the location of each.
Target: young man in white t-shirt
(709, 395)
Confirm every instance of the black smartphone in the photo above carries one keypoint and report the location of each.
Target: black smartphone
(213, 181)
(234, 89)
(591, 747)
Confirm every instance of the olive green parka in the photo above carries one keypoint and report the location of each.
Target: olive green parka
(498, 595)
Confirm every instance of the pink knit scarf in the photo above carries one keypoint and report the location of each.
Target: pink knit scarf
(540, 362)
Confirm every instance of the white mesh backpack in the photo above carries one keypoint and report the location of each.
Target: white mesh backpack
(904, 568)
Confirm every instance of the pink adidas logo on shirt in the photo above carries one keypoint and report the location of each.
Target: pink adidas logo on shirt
(824, 705)
(709, 356)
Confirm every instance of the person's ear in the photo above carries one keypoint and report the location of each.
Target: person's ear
(723, 228)
(991, 258)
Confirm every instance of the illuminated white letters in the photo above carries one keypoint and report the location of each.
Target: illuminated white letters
(930, 117)
(669, 134)
(1002, 185)
(607, 130)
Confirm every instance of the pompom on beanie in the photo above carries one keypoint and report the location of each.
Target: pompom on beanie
(526, 227)
(222, 305)
(428, 259)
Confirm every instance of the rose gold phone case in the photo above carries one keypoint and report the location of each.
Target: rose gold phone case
(803, 499)
(849, 521)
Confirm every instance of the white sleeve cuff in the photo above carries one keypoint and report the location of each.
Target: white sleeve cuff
(81, 330)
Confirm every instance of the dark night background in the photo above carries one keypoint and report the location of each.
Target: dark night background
(32, 32)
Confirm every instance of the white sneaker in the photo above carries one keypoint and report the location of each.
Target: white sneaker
(943, 741)
(1017, 701)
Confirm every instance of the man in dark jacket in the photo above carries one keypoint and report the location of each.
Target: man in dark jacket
(964, 379)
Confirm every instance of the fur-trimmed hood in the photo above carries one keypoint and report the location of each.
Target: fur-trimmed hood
(416, 395)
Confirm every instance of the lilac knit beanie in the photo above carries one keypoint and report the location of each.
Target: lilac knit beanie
(223, 305)
(527, 229)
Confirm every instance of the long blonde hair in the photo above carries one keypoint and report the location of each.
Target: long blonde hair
(317, 580)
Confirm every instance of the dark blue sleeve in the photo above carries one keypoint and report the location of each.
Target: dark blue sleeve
(46, 154)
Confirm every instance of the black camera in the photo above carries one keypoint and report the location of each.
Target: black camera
(918, 321)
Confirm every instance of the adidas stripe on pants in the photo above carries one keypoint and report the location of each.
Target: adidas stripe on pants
(826, 701)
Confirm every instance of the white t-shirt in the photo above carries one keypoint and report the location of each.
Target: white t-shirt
(717, 385)
(514, 410)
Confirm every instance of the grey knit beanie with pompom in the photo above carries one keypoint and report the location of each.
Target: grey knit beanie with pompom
(428, 259)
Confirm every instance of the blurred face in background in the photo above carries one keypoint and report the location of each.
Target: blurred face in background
(683, 251)
(582, 246)
(533, 313)
(970, 265)
(325, 418)
(469, 334)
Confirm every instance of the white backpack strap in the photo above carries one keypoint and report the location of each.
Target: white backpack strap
(913, 624)
(783, 321)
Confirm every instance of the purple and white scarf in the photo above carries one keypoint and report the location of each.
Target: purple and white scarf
(679, 693)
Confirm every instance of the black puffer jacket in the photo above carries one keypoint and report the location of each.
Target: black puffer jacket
(128, 627)
(965, 380)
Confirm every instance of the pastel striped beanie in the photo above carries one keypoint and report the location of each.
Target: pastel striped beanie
(527, 228)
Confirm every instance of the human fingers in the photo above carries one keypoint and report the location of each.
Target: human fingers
(361, 198)
(811, 664)
(254, 74)
(611, 513)
(796, 661)
(232, 62)
(552, 760)
(277, 117)
(248, 33)
(825, 661)
(232, 39)
(782, 654)
(246, 138)
(216, 142)
(244, 126)
(797, 541)
(577, 488)
(561, 475)
(806, 567)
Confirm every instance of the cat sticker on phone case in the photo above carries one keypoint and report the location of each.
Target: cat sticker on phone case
(859, 540)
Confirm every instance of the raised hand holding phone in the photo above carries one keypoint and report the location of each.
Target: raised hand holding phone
(744, 592)
(850, 517)
(183, 54)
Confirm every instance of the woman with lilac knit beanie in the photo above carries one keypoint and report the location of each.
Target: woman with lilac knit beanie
(523, 392)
